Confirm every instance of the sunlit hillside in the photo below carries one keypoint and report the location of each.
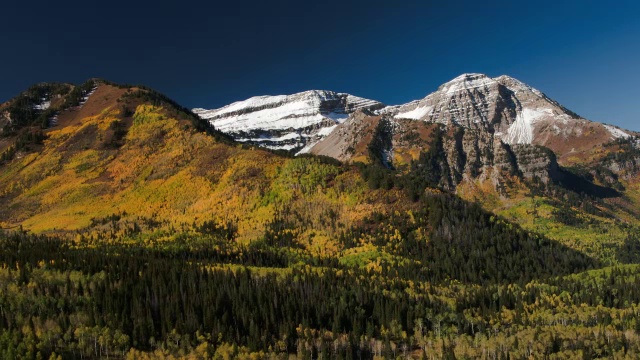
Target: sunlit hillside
(121, 155)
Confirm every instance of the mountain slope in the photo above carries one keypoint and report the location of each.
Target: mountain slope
(490, 124)
(129, 153)
(127, 163)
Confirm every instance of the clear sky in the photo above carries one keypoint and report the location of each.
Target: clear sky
(584, 54)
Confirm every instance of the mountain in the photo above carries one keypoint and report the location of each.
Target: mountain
(286, 122)
(511, 110)
(130, 227)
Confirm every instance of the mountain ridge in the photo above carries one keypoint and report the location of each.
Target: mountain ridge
(286, 122)
(507, 107)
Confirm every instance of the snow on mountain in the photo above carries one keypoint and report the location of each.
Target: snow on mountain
(86, 96)
(521, 131)
(466, 82)
(616, 132)
(416, 114)
(472, 100)
(511, 110)
(287, 122)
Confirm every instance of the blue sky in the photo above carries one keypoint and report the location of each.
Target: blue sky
(584, 54)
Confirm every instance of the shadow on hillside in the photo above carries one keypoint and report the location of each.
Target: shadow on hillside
(629, 252)
(471, 245)
(580, 185)
(484, 253)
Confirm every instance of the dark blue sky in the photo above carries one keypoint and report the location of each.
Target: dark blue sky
(585, 54)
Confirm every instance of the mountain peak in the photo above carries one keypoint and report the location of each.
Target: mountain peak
(468, 77)
(516, 85)
(466, 82)
(469, 81)
(512, 110)
(505, 78)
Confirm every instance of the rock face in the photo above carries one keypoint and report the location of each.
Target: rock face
(623, 158)
(513, 111)
(536, 162)
(349, 140)
(478, 155)
(465, 154)
(286, 122)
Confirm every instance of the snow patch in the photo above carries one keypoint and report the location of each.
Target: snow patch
(392, 109)
(416, 114)
(86, 97)
(517, 86)
(616, 133)
(521, 131)
(289, 136)
(337, 117)
(324, 132)
(254, 102)
(281, 112)
(307, 148)
(327, 130)
(281, 147)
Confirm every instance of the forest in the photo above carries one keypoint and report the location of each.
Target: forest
(477, 287)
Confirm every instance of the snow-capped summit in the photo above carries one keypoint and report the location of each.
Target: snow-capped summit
(512, 110)
(466, 82)
(472, 100)
(288, 122)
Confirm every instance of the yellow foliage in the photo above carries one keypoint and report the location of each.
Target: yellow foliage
(166, 172)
